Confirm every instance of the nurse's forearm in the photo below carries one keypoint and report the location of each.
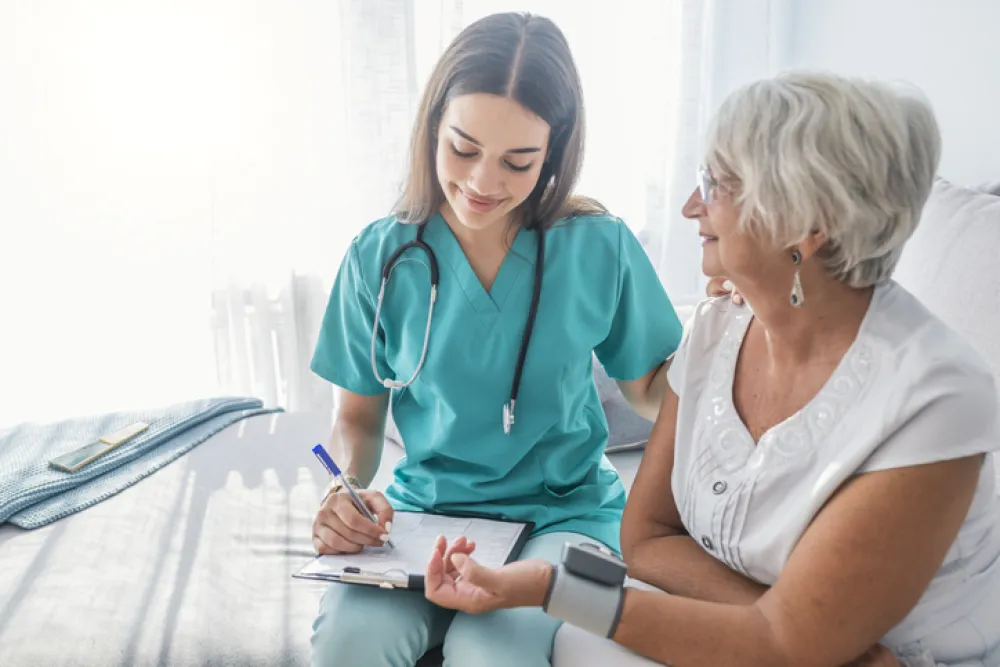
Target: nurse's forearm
(358, 444)
(657, 388)
(677, 564)
(646, 394)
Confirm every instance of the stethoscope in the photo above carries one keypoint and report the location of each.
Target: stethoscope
(420, 244)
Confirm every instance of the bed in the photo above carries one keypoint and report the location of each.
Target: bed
(190, 566)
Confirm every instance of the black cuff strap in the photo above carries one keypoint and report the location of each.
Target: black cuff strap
(548, 591)
(618, 614)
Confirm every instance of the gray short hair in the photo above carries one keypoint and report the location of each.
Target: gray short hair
(851, 158)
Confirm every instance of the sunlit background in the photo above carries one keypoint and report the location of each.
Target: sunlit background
(173, 170)
(179, 178)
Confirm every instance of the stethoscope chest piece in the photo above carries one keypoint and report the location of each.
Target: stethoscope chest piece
(508, 417)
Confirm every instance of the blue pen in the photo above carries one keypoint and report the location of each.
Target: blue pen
(328, 463)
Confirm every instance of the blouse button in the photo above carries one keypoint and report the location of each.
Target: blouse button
(719, 487)
(706, 542)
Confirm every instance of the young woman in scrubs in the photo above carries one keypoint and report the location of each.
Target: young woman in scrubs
(496, 148)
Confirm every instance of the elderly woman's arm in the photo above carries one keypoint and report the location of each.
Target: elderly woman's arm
(858, 570)
(655, 545)
(855, 570)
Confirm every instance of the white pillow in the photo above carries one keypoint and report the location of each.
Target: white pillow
(991, 188)
(951, 265)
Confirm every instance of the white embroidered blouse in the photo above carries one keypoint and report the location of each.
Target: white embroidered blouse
(908, 391)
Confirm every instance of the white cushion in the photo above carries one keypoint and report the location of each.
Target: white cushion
(951, 265)
(991, 187)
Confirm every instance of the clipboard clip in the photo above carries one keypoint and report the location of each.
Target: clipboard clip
(354, 575)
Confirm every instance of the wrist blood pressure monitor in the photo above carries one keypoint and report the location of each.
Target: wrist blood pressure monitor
(586, 589)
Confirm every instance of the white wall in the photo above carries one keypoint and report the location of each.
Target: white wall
(950, 49)
(149, 150)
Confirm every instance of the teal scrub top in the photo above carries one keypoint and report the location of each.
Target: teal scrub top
(600, 295)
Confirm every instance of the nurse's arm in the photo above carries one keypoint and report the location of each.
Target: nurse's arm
(645, 394)
(359, 433)
(853, 576)
(654, 542)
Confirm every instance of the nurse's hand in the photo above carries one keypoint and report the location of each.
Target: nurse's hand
(454, 581)
(877, 656)
(339, 528)
(721, 286)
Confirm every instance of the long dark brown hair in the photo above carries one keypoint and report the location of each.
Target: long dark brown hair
(524, 58)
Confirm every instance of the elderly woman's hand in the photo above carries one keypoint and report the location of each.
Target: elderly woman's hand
(721, 286)
(454, 581)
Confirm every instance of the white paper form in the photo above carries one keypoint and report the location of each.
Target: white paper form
(414, 535)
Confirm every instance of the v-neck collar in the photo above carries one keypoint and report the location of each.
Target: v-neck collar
(449, 252)
(847, 379)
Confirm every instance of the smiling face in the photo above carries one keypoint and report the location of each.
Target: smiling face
(727, 248)
(489, 155)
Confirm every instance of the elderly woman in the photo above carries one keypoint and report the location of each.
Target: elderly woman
(819, 484)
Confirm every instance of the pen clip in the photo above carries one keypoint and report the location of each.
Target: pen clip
(323, 462)
(325, 459)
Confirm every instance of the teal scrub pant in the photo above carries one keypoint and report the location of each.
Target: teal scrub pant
(362, 626)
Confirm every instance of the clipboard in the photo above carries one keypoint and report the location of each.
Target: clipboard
(498, 541)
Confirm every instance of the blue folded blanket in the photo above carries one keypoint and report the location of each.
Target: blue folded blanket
(33, 494)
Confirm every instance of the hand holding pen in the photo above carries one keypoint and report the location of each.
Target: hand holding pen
(350, 520)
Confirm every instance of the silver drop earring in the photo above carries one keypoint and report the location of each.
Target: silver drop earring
(797, 298)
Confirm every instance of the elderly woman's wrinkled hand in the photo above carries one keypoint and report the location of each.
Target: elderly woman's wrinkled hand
(453, 580)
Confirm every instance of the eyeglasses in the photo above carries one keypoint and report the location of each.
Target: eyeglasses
(706, 183)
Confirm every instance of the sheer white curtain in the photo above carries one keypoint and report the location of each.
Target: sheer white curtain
(180, 178)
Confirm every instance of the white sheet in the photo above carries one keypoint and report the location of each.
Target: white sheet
(191, 566)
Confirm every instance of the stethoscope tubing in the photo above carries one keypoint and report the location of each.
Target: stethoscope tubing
(420, 244)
